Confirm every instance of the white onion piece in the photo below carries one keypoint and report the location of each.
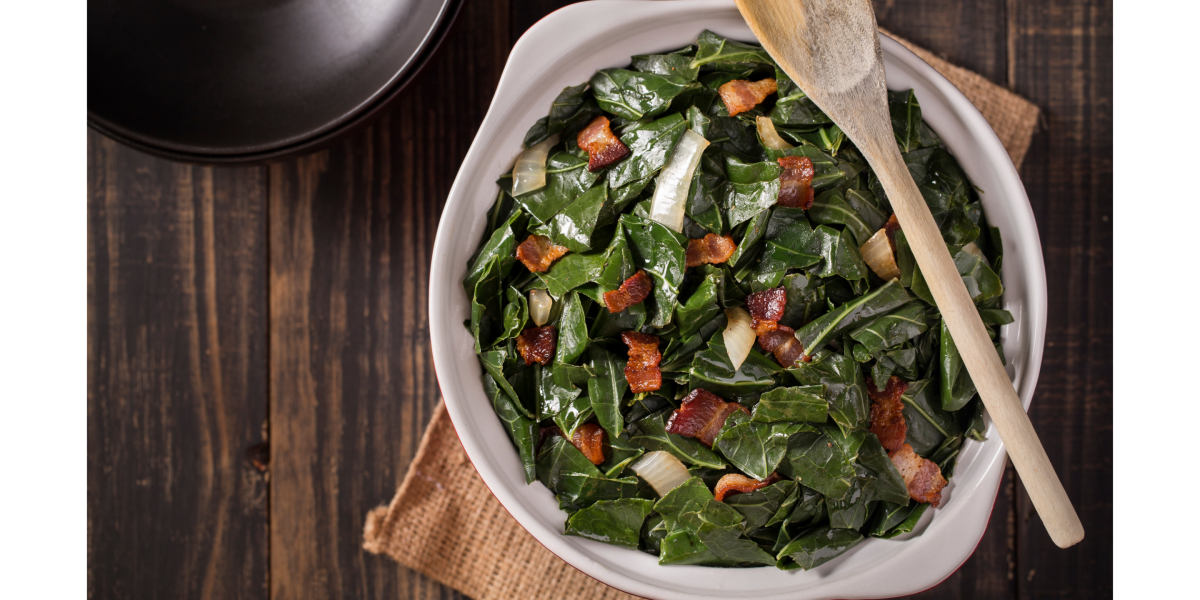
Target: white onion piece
(973, 249)
(739, 335)
(770, 138)
(661, 470)
(540, 304)
(529, 173)
(877, 253)
(674, 181)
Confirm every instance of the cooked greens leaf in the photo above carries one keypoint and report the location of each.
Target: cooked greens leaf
(607, 389)
(845, 389)
(521, 429)
(617, 522)
(716, 49)
(634, 95)
(816, 333)
(759, 506)
(840, 254)
(567, 177)
(650, 147)
(712, 370)
(800, 403)
(892, 329)
(572, 330)
(571, 110)
(823, 460)
(575, 480)
(661, 253)
(820, 545)
(652, 435)
(831, 208)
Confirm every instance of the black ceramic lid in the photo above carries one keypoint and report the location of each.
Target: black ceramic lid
(232, 80)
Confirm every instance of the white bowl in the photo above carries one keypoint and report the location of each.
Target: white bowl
(565, 48)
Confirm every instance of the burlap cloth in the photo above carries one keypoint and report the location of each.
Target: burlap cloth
(445, 523)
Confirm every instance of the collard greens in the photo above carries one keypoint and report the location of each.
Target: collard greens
(807, 424)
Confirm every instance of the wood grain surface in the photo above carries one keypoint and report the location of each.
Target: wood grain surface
(258, 354)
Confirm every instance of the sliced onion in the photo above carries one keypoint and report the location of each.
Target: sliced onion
(770, 138)
(529, 173)
(877, 253)
(739, 336)
(540, 304)
(661, 470)
(671, 188)
(971, 248)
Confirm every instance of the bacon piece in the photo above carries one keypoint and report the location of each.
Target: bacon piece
(642, 368)
(922, 476)
(711, 249)
(634, 290)
(783, 344)
(887, 412)
(795, 182)
(589, 438)
(536, 344)
(537, 252)
(767, 304)
(762, 327)
(736, 483)
(892, 391)
(891, 227)
(602, 146)
(741, 95)
(766, 308)
(702, 416)
(775, 338)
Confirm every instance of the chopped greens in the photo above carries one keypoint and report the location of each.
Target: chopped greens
(794, 472)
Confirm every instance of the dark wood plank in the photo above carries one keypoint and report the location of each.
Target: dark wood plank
(527, 12)
(352, 383)
(972, 35)
(1063, 54)
(176, 378)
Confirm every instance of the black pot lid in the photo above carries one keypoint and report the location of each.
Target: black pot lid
(248, 78)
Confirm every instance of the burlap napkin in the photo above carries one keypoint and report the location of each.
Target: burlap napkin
(445, 523)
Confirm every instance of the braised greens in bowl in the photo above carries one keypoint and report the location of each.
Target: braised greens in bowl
(703, 328)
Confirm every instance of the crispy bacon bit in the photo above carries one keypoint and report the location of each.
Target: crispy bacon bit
(887, 412)
(767, 304)
(589, 438)
(922, 476)
(892, 391)
(642, 369)
(762, 327)
(602, 146)
(634, 290)
(711, 249)
(784, 345)
(736, 483)
(741, 95)
(702, 416)
(891, 227)
(767, 307)
(795, 183)
(536, 344)
(537, 253)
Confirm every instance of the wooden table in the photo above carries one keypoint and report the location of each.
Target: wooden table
(259, 370)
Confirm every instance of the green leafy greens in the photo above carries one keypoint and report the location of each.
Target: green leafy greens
(827, 482)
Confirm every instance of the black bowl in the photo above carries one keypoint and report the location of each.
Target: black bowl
(236, 81)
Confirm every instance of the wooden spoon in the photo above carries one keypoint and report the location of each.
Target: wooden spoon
(830, 49)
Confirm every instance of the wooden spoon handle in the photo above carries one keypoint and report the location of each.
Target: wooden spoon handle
(978, 353)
